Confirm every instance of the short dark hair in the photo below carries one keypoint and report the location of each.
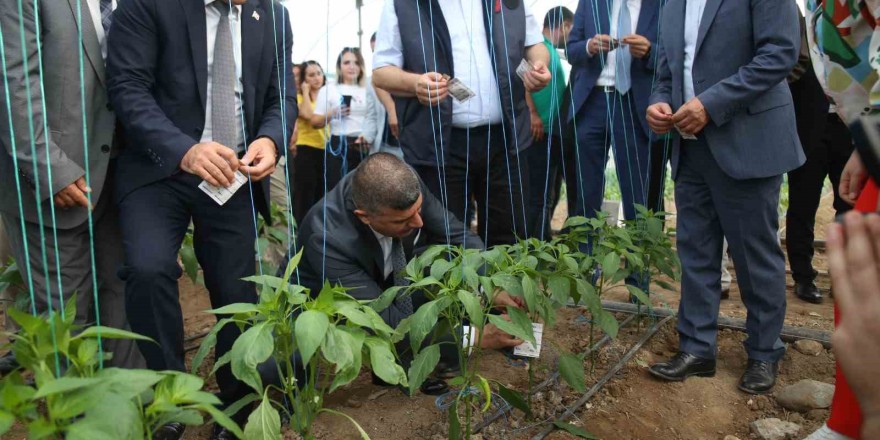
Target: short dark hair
(556, 16)
(384, 181)
(373, 37)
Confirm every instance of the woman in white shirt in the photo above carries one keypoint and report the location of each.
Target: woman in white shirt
(342, 106)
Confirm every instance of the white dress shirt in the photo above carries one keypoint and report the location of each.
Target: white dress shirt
(212, 19)
(95, 12)
(692, 17)
(330, 97)
(385, 243)
(609, 72)
(470, 55)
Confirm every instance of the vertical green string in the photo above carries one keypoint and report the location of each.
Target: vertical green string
(12, 145)
(25, 69)
(85, 131)
(48, 135)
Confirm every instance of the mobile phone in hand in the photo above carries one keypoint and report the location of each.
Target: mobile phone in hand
(346, 100)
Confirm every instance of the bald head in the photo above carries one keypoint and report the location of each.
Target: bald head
(382, 182)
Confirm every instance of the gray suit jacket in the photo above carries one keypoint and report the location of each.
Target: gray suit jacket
(55, 110)
(745, 50)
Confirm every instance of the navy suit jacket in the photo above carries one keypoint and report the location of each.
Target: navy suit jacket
(157, 70)
(585, 70)
(745, 50)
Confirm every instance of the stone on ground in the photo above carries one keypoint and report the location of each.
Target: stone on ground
(806, 395)
(808, 347)
(774, 429)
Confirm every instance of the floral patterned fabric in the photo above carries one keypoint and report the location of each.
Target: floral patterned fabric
(844, 42)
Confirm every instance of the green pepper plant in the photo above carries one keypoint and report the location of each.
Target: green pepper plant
(70, 396)
(317, 343)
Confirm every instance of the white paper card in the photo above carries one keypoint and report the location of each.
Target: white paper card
(459, 90)
(222, 195)
(686, 136)
(526, 348)
(523, 68)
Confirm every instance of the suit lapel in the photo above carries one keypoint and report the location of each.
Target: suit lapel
(708, 17)
(90, 44)
(252, 30)
(646, 16)
(603, 9)
(194, 11)
(674, 39)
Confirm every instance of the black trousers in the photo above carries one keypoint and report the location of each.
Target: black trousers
(477, 163)
(307, 177)
(154, 220)
(826, 156)
(544, 161)
(661, 152)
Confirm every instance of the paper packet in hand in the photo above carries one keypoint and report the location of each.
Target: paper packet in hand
(526, 349)
(523, 68)
(222, 195)
(459, 91)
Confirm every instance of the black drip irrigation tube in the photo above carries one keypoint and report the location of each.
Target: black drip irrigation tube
(789, 333)
(611, 372)
(547, 382)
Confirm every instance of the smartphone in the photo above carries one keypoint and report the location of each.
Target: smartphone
(346, 100)
(866, 137)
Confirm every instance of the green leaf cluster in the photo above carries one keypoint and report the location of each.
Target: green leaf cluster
(73, 397)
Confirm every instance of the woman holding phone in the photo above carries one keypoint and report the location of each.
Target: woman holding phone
(307, 166)
(342, 106)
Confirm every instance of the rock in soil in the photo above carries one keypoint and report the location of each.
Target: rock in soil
(731, 437)
(806, 395)
(808, 347)
(774, 429)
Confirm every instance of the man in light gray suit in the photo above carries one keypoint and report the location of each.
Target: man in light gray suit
(722, 79)
(44, 197)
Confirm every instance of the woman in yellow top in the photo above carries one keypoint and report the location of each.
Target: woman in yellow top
(307, 173)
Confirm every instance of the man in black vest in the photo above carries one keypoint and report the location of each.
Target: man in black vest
(468, 148)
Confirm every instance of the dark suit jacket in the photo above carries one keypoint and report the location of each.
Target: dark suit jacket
(585, 70)
(745, 49)
(157, 73)
(349, 254)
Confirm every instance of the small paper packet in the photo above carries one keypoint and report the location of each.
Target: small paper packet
(222, 195)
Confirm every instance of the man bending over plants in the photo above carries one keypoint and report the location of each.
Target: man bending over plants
(364, 231)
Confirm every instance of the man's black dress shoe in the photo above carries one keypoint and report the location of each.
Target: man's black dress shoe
(759, 378)
(682, 366)
(808, 292)
(221, 433)
(8, 363)
(171, 431)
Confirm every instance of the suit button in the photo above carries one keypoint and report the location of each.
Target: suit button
(105, 148)
(198, 132)
(109, 106)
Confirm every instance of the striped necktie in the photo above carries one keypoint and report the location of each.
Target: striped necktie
(106, 15)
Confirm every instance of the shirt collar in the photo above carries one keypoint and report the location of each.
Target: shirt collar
(237, 7)
(379, 236)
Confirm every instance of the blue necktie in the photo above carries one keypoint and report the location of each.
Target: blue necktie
(106, 14)
(623, 58)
